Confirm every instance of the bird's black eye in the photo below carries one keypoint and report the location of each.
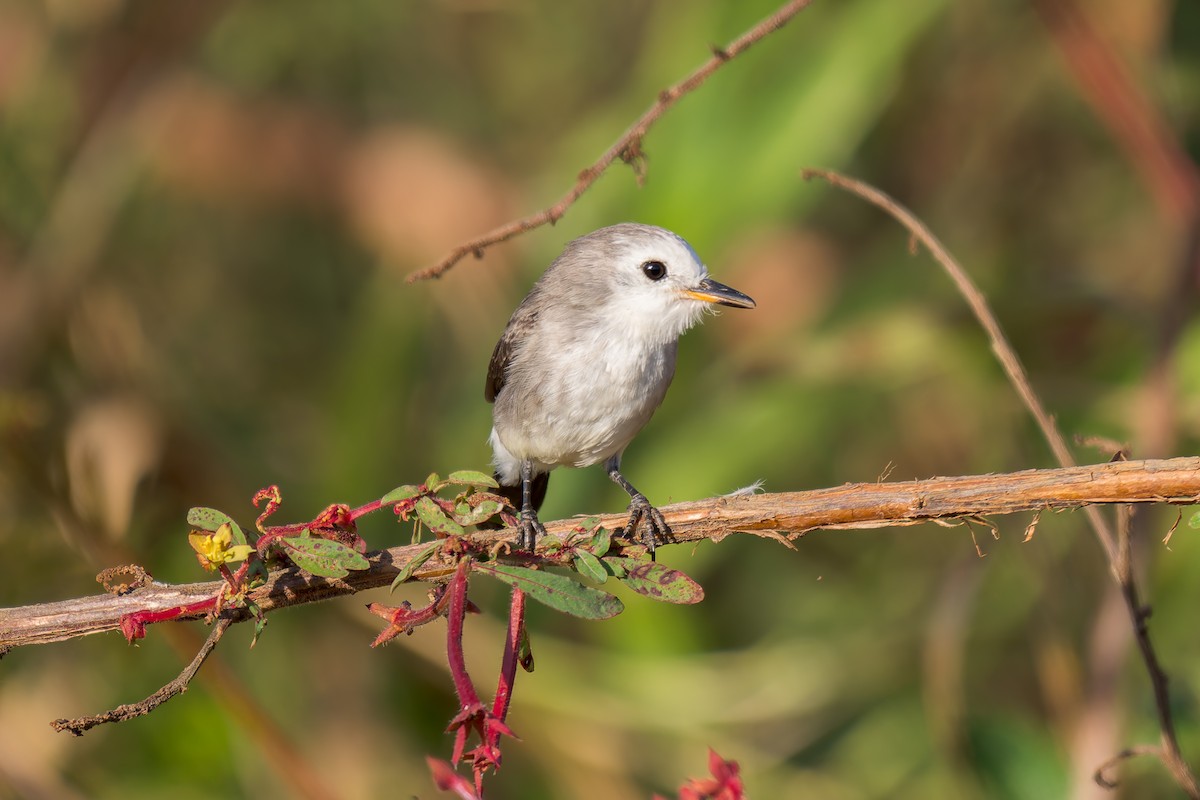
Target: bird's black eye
(655, 270)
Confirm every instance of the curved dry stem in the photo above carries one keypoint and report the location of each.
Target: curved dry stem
(1117, 549)
(1004, 351)
(81, 725)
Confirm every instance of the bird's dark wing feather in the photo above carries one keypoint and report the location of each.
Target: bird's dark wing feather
(518, 328)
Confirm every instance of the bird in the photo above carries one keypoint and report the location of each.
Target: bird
(586, 359)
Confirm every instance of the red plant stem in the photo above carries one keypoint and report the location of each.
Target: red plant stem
(275, 531)
(508, 668)
(368, 508)
(467, 697)
(134, 625)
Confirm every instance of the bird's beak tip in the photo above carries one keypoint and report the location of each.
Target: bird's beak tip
(709, 291)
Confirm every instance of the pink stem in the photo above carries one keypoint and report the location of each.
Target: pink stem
(134, 625)
(368, 508)
(467, 696)
(508, 668)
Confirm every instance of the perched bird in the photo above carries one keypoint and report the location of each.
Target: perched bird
(587, 358)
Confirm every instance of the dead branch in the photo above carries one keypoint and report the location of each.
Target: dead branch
(791, 514)
(180, 684)
(628, 148)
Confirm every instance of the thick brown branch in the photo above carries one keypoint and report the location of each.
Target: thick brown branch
(627, 148)
(864, 505)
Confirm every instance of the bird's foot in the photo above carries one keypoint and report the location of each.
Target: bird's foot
(529, 530)
(656, 532)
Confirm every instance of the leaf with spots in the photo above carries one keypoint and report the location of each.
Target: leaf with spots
(323, 557)
(435, 518)
(656, 581)
(557, 591)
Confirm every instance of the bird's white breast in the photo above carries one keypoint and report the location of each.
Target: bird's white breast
(600, 389)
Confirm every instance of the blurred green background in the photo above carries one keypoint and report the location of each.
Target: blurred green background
(207, 211)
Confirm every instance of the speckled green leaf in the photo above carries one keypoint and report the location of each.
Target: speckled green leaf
(400, 493)
(470, 477)
(657, 581)
(323, 557)
(557, 591)
(485, 510)
(209, 519)
(601, 540)
(434, 518)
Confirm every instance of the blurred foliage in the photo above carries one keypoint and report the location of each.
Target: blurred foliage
(206, 214)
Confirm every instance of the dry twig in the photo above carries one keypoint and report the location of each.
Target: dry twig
(121, 713)
(1117, 548)
(628, 148)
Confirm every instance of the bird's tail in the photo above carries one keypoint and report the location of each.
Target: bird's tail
(537, 493)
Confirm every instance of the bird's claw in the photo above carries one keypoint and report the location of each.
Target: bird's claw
(656, 532)
(528, 531)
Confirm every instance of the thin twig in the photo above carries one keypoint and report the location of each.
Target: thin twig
(1004, 351)
(628, 148)
(1117, 550)
(848, 507)
(1100, 775)
(179, 685)
(1169, 753)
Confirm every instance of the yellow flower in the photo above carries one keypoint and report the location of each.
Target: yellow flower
(218, 548)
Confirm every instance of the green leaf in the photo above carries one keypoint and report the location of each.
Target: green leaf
(434, 482)
(260, 624)
(405, 492)
(416, 561)
(323, 557)
(601, 540)
(470, 477)
(260, 619)
(616, 570)
(473, 516)
(524, 651)
(557, 591)
(258, 573)
(587, 564)
(657, 581)
(1194, 520)
(209, 519)
(434, 518)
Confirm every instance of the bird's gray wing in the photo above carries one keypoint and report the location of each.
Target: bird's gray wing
(518, 328)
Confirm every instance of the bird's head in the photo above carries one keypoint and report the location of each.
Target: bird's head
(646, 279)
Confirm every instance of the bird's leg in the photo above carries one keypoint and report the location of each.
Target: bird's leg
(657, 530)
(531, 526)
